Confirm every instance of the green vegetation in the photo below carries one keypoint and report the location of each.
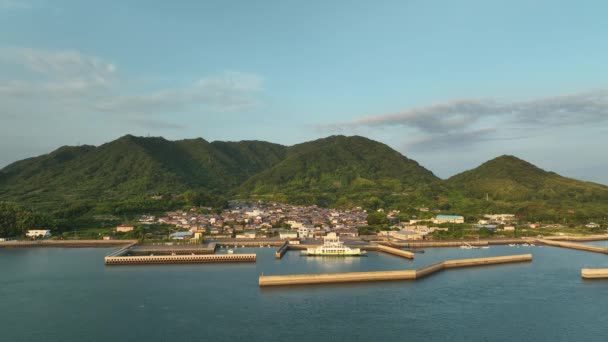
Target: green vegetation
(15, 220)
(89, 187)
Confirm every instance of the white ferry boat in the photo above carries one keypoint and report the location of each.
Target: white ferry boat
(332, 246)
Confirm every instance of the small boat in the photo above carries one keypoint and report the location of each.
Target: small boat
(526, 245)
(230, 251)
(511, 245)
(485, 247)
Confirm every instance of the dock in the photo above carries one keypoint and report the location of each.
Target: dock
(178, 259)
(594, 273)
(353, 277)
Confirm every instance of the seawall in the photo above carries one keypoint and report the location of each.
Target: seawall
(349, 277)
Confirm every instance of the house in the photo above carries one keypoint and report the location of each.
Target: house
(108, 237)
(38, 233)
(348, 232)
(288, 235)
(509, 229)
(181, 235)
(124, 229)
(439, 219)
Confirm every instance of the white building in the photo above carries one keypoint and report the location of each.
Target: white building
(500, 217)
(38, 232)
(306, 232)
(448, 219)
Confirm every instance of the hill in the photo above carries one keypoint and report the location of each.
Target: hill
(135, 175)
(344, 171)
(133, 168)
(510, 183)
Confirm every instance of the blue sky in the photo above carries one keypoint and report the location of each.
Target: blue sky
(449, 84)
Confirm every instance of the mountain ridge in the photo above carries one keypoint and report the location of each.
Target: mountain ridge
(333, 171)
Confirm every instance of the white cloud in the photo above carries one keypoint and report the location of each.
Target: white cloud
(228, 91)
(56, 82)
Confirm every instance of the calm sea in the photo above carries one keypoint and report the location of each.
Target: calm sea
(69, 295)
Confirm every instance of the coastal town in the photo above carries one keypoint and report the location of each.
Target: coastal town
(245, 220)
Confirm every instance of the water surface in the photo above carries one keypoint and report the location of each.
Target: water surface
(49, 294)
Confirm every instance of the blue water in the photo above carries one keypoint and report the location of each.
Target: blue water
(69, 295)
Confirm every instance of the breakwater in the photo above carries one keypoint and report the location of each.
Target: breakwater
(594, 273)
(348, 277)
(178, 259)
(66, 243)
(571, 245)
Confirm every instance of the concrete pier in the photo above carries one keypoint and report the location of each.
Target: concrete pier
(594, 273)
(178, 259)
(571, 245)
(396, 251)
(349, 277)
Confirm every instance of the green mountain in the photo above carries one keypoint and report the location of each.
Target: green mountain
(344, 171)
(126, 176)
(513, 184)
(133, 167)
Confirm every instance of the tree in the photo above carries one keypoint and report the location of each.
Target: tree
(376, 218)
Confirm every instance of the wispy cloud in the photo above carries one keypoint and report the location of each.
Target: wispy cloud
(466, 122)
(450, 116)
(228, 91)
(68, 81)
